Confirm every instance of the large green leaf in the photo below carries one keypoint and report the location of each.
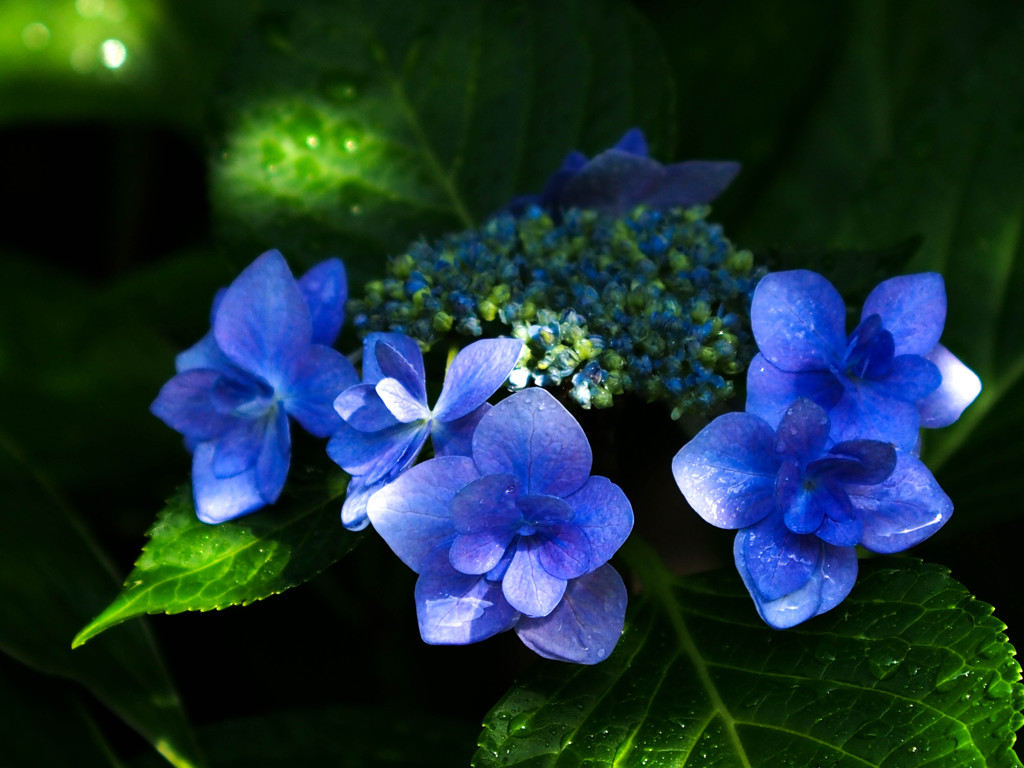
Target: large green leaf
(52, 578)
(909, 671)
(188, 565)
(354, 128)
(354, 737)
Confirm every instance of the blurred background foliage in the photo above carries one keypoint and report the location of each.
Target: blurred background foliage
(151, 148)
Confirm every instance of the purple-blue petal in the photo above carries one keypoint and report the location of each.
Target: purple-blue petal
(413, 513)
(488, 504)
(316, 379)
(902, 511)
(913, 310)
(910, 378)
(325, 289)
(474, 375)
(185, 404)
(693, 182)
(770, 391)
(803, 432)
(958, 389)
(204, 354)
(407, 347)
(478, 553)
(376, 455)
(404, 406)
(219, 499)
(612, 183)
(586, 624)
(274, 457)
(239, 449)
(457, 609)
(824, 589)
(393, 364)
(527, 586)
(263, 322)
(455, 438)
(798, 319)
(604, 514)
(861, 462)
(353, 510)
(530, 435)
(864, 414)
(564, 551)
(727, 471)
(361, 408)
(633, 141)
(777, 561)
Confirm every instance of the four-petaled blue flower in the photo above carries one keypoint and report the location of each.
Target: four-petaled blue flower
(266, 358)
(516, 535)
(886, 380)
(385, 421)
(802, 502)
(617, 180)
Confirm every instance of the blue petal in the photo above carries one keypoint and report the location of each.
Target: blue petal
(799, 321)
(694, 182)
(263, 322)
(456, 609)
(841, 533)
(612, 183)
(316, 379)
(902, 511)
(959, 387)
(353, 510)
(860, 462)
(478, 553)
(803, 431)
(376, 455)
(727, 472)
(564, 551)
(910, 378)
(325, 289)
(275, 456)
(826, 587)
(219, 499)
(771, 391)
(185, 404)
(393, 363)
(403, 405)
(913, 310)
(530, 435)
(634, 142)
(777, 561)
(455, 438)
(864, 414)
(488, 504)
(527, 586)
(604, 514)
(361, 408)
(586, 624)
(413, 513)
(407, 348)
(803, 509)
(474, 375)
(204, 354)
(239, 449)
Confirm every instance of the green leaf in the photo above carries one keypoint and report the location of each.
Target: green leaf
(355, 128)
(909, 671)
(188, 565)
(362, 737)
(52, 578)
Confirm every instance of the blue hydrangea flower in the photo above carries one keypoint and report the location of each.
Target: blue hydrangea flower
(802, 502)
(882, 382)
(266, 358)
(385, 421)
(516, 535)
(623, 177)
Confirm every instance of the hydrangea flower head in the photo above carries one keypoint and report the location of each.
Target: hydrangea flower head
(518, 534)
(386, 420)
(884, 381)
(802, 502)
(266, 358)
(624, 176)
